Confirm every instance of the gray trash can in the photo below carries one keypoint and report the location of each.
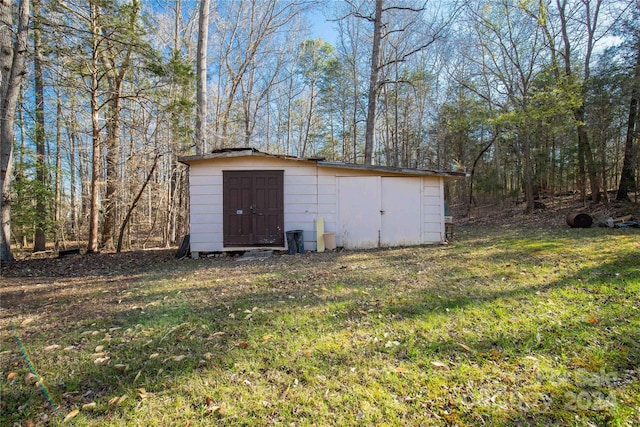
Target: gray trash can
(295, 241)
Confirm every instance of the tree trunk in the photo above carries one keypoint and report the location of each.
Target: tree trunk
(528, 172)
(134, 204)
(59, 228)
(583, 141)
(307, 127)
(627, 176)
(373, 84)
(473, 169)
(112, 148)
(92, 244)
(40, 240)
(201, 70)
(115, 76)
(12, 69)
(72, 180)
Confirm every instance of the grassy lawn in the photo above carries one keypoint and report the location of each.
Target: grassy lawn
(502, 327)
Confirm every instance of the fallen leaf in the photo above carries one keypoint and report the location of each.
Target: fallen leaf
(52, 347)
(178, 358)
(121, 367)
(121, 399)
(101, 360)
(266, 337)
(401, 370)
(26, 321)
(89, 406)
(142, 394)
(113, 401)
(439, 365)
(213, 409)
(154, 355)
(71, 415)
(464, 347)
(12, 376)
(243, 345)
(30, 379)
(29, 423)
(593, 320)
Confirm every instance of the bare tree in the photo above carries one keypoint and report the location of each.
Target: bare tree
(12, 68)
(116, 58)
(248, 25)
(372, 94)
(589, 19)
(201, 71)
(382, 29)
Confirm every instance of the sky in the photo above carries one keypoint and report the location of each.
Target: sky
(321, 28)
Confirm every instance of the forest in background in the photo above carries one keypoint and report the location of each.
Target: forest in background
(101, 97)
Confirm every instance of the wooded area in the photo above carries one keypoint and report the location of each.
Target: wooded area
(100, 98)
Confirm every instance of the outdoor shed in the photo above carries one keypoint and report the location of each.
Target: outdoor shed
(243, 199)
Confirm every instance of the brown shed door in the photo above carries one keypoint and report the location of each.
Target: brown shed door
(253, 208)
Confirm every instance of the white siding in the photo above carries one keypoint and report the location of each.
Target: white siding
(433, 210)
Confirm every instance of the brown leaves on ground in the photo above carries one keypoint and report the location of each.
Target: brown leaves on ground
(100, 264)
(550, 212)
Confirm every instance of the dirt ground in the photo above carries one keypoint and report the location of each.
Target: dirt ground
(553, 215)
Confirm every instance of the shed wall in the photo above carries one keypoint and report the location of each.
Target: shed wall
(310, 192)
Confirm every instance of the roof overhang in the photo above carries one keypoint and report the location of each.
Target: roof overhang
(227, 153)
(450, 175)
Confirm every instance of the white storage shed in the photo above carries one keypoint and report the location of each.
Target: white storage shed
(242, 199)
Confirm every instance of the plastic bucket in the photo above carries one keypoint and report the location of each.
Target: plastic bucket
(329, 241)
